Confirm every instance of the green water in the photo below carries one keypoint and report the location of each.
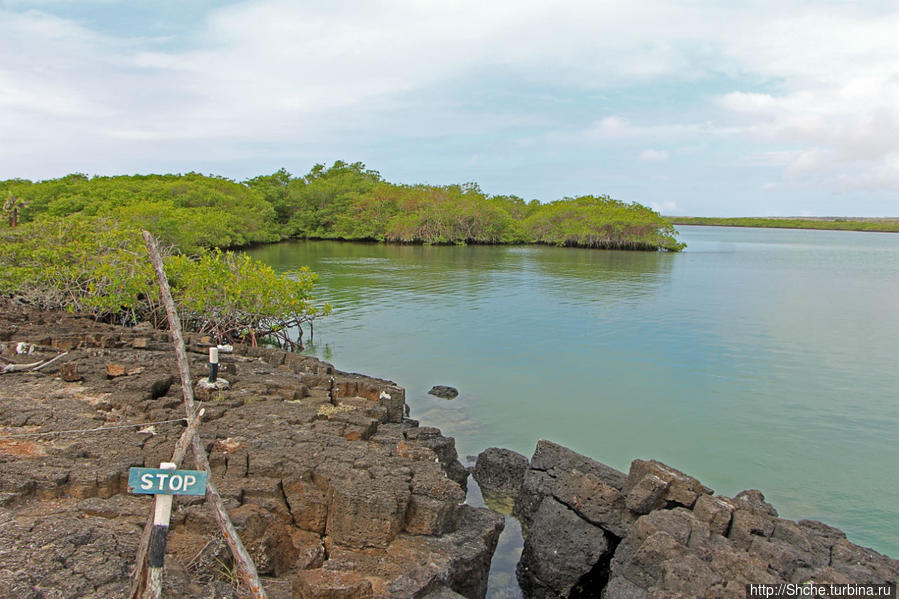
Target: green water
(758, 358)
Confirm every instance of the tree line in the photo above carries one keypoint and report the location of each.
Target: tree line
(344, 201)
(882, 225)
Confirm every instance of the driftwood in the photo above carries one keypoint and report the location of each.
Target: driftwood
(140, 570)
(242, 559)
(34, 366)
(48, 362)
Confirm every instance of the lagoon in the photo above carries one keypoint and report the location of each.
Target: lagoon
(757, 358)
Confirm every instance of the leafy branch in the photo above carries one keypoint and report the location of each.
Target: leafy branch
(99, 267)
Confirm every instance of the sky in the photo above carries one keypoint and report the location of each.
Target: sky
(727, 108)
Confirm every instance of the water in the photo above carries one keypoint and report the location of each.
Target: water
(757, 358)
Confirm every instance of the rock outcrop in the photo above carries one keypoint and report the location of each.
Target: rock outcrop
(592, 531)
(499, 474)
(333, 491)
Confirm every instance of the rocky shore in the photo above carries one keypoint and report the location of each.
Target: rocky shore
(338, 494)
(333, 490)
(655, 532)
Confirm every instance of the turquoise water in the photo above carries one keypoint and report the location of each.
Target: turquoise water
(757, 358)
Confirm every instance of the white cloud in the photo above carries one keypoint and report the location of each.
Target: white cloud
(808, 160)
(667, 207)
(651, 155)
(848, 130)
(821, 91)
(616, 129)
(608, 127)
(751, 103)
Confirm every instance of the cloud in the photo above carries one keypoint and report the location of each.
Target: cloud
(609, 127)
(808, 160)
(651, 155)
(616, 129)
(837, 131)
(667, 207)
(838, 106)
(747, 103)
(815, 87)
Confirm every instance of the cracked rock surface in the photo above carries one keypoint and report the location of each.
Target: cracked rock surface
(333, 491)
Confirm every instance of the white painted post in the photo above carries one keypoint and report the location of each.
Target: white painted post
(156, 558)
(140, 568)
(213, 363)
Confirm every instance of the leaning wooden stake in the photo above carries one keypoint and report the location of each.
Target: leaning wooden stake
(140, 571)
(242, 559)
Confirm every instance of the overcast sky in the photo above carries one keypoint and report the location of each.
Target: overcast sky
(721, 108)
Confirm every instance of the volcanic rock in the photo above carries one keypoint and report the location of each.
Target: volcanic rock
(443, 392)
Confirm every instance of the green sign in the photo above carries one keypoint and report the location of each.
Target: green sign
(156, 481)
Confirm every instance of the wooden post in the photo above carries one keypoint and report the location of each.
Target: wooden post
(140, 567)
(332, 391)
(213, 364)
(242, 558)
(162, 513)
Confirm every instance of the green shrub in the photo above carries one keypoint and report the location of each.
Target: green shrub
(601, 222)
(100, 267)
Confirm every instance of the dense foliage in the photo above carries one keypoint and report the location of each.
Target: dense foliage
(189, 211)
(233, 296)
(348, 201)
(345, 201)
(885, 225)
(601, 222)
(98, 266)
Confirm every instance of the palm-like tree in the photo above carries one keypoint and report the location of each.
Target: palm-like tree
(11, 207)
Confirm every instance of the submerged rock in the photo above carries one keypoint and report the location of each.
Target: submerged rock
(444, 392)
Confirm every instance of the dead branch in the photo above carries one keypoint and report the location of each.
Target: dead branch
(48, 362)
(242, 558)
(20, 367)
(32, 366)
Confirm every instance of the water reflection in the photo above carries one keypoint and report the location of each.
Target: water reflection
(502, 583)
(365, 272)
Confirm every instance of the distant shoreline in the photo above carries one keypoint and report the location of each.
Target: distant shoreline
(848, 223)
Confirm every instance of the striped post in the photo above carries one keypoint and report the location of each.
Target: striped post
(156, 557)
(213, 364)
